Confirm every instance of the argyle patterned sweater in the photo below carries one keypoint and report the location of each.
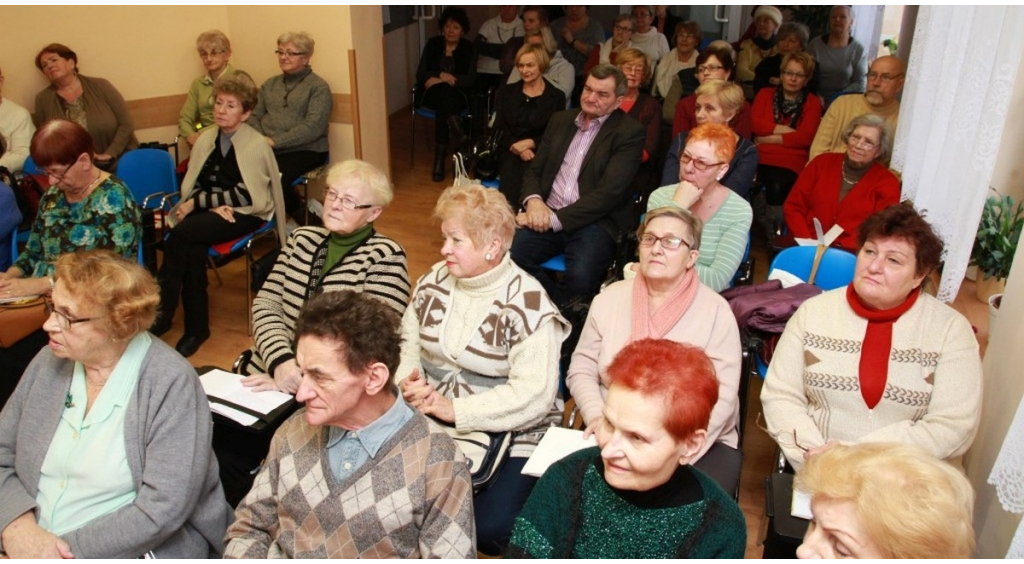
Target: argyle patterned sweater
(413, 500)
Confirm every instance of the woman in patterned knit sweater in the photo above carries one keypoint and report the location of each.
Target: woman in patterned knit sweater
(879, 360)
(231, 188)
(636, 495)
(480, 347)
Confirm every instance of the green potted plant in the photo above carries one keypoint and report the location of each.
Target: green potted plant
(996, 243)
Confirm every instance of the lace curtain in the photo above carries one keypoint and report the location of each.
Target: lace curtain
(1008, 478)
(962, 67)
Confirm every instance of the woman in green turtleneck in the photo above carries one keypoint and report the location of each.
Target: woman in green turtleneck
(345, 254)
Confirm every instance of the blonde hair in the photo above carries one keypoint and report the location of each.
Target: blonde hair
(631, 55)
(728, 94)
(910, 504)
(372, 178)
(126, 292)
(484, 213)
(541, 54)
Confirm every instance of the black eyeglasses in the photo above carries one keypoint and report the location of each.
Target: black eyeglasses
(346, 202)
(59, 176)
(669, 242)
(64, 321)
(289, 54)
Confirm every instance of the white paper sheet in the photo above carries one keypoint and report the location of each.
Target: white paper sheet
(233, 414)
(556, 445)
(801, 506)
(228, 387)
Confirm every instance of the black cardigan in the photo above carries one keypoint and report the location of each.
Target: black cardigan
(516, 122)
(433, 53)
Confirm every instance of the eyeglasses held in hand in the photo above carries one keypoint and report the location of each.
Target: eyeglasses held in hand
(783, 438)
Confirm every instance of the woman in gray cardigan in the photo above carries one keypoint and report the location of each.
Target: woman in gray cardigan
(105, 445)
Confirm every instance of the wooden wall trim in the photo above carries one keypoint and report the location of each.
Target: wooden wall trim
(163, 111)
(354, 105)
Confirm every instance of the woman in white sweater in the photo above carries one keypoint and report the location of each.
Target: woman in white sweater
(879, 360)
(480, 347)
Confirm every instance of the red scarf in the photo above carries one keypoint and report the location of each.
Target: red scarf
(874, 353)
(657, 325)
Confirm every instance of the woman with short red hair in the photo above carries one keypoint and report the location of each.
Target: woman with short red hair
(635, 495)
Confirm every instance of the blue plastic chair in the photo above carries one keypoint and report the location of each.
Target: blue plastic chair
(30, 166)
(834, 271)
(149, 174)
(555, 264)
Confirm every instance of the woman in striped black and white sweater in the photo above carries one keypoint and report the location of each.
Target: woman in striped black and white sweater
(346, 254)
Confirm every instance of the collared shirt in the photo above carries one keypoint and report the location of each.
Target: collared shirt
(347, 450)
(85, 474)
(565, 190)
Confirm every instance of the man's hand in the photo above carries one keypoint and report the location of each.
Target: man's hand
(537, 216)
(287, 377)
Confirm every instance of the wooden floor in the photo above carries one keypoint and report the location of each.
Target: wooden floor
(408, 221)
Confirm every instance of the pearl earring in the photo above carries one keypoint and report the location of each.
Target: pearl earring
(488, 256)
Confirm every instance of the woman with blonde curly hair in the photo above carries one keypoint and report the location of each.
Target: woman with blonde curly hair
(105, 445)
(886, 500)
(480, 347)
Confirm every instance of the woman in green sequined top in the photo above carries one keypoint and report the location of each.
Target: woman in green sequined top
(85, 208)
(636, 495)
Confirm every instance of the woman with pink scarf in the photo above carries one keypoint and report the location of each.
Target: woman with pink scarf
(665, 300)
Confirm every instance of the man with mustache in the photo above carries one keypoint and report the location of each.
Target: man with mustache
(885, 81)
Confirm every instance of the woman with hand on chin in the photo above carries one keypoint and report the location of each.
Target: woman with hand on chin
(480, 347)
(726, 216)
(664, 301)
(636, 495)
(232, 187)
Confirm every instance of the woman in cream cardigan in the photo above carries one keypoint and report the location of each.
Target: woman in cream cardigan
(232, 187)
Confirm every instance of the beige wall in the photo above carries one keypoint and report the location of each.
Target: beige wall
(150, 51)
(1004, 386)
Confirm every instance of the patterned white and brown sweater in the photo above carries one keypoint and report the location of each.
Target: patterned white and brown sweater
(377, 266)
(413, 500)
(490, 344)
(932, 396)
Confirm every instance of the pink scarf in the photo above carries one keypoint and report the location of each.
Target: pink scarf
(657, 325)
(873, 371)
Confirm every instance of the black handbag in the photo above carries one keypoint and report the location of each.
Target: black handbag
(485, 453)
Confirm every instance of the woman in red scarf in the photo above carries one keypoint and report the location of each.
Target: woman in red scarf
(879, 360)
(664, 301)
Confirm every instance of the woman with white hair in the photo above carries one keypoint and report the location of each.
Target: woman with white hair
(293, 112)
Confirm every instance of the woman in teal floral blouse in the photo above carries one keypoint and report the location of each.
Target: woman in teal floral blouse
(85, 208)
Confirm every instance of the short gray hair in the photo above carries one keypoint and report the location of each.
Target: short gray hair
(607, 70)
(372, 178)
(214, 38)
(693, 223)
(795, 29)
(300, 39)
(885, 137)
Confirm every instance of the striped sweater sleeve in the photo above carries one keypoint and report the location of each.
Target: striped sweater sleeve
(724, 242)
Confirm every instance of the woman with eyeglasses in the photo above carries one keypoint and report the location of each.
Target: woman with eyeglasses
(684, 56)
(231, 189)
(608, 51)
(293, 113)
(793, 39)
(105, 444)
(347, 253)
(85, 208)
(636, 66)
(878, 360)
(445, 78)
(214, 51)
(714, 63)
(703, 163)
(845, 188)
(91, 102)
(665, 300)
(786, 117)
(718, 101)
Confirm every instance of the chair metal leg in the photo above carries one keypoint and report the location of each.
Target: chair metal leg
(213, 267)
(412, 138)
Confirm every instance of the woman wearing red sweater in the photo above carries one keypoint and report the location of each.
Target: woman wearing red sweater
(785, 119)
(845, 188)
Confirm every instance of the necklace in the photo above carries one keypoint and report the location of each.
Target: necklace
(288, 91)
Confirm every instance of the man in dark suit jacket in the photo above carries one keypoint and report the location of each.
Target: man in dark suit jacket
(576, 193)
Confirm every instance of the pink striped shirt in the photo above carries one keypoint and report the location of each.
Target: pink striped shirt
(565, 190)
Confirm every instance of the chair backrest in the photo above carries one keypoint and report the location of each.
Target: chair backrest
(30, 166)
(146, 172)
(834, 271)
